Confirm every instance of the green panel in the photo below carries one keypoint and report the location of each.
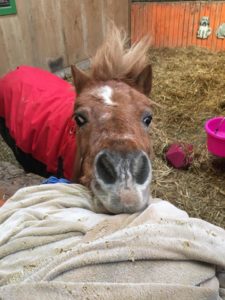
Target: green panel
(7, 7)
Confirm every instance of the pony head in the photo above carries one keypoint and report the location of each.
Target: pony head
(113, 114)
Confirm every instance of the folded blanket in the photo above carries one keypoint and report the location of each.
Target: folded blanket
(55, 245)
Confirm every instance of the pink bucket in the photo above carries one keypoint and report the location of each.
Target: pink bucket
(215, 129)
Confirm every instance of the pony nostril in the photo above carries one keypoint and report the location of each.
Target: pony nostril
(105, 169)
(140, 169)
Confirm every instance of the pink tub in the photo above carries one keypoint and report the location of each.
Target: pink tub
(215, 129)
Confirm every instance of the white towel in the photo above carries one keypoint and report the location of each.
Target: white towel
(55, 245)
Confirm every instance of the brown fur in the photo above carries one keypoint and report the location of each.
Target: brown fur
(97, 134)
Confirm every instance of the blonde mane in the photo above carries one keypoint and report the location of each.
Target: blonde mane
(115, 60)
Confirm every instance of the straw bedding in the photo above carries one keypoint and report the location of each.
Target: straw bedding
(5, 153)
(189, 85)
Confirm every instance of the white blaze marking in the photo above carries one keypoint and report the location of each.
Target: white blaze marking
(106, 92)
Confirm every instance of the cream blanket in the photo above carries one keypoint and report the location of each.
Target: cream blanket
(54, 245)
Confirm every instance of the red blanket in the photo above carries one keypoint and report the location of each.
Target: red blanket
(37, 107)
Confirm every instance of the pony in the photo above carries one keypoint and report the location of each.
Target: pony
(108, 149)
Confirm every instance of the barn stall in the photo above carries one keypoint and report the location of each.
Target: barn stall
(188, 78)
(55, 245)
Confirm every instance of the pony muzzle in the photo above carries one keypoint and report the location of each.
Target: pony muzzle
(122, 180)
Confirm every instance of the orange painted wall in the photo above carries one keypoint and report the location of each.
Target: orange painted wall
(175, 24)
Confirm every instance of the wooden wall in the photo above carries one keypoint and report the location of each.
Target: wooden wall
(175, 24)
(47, 29)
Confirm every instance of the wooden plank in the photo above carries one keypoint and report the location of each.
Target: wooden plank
(221, 47)
(159, 25)
(133, 23)
(141, 17)
(145, 21)
(195, 20)
(154, 23)
(166, 11)
(92, 25)
(72, 30)
(213, 8)
(191, 7)
(135, 35)
(202, 42)
(165, 24)
(171, 25)
(205, 11)
(180, 25)
(198, 15)
(164, 18)
(208, 12)
(148, 24)
(45, 31)
(176, 25)
(157, 30)
(149, 21)
(217, 45)
(211, 39)
(186, 24)
(178, 9)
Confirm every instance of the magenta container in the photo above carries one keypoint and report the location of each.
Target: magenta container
(215, 129)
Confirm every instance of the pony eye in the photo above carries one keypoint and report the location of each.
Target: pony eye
(80, 119)
(147, 120)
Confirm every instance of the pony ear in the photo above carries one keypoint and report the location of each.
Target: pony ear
(144, 80)
(80, 78)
